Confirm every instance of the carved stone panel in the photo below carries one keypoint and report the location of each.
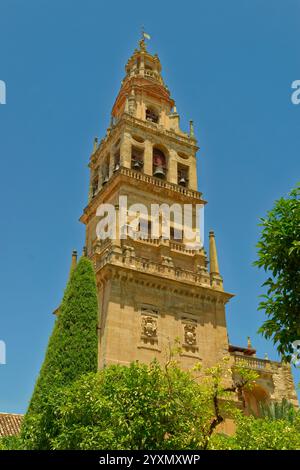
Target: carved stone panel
(149, 327)
(190, 337)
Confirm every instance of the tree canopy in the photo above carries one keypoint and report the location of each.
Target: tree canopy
(279, 256)
(71, 351)
(139, 407)
(156, 407)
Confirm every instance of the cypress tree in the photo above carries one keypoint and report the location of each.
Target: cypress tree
(71, 351)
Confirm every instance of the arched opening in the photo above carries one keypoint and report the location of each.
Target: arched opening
(116, 160)
(152, 115)
(138, 139)
(137, 158)
(182, 155)
(105, 170)
(183, 175)
(95, 184)
(159, 163)
(253, 399)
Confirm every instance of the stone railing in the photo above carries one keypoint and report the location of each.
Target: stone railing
(251, 362)
(149, 241)
(151, 74)
(167, 270)
(160, 183)
(163, 269)
(138, 175)
(181, 247)
(143, 73)
(99, 246)
(174, 246)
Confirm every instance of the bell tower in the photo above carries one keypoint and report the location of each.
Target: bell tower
(153, 290)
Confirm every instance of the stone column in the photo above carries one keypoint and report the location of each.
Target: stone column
(90, 196)
(142, 64)
(125, 151)
(172, 167)
(192, 174)
(139, 109)
(174, 121)
(162, 118)
(111, 162)
(100, 175)
(148, 160)
(143, 110)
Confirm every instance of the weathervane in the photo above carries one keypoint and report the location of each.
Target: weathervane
(144, 36)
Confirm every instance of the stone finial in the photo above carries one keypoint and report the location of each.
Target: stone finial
(213, 257)
(249, 345)
(73, 260)
(192, 133)
(84, 251)
(95, 147)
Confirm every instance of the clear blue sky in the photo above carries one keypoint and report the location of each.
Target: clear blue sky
(229, 65)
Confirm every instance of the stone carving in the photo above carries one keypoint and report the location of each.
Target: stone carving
(190, 334)
(149, 327)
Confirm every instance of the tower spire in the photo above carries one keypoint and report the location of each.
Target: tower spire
(215, 278)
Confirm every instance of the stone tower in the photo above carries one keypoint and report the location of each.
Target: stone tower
(154, 291)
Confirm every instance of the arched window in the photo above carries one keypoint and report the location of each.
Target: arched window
(137, 158)
(95, 184)
(152, 115)
(105, 170)
(116, 160)
(254, 398)
(183, 175)
(159, 163)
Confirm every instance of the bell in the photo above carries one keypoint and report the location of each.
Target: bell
(117, 167)
(137, 164)
(182, 181)
(159, 172)
(105, 180)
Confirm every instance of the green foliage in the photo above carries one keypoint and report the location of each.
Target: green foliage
(137, 407)
(283, 410)
(279, 255)
(260, 434)
(10, 443)
(154, 407)
(71, 352)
